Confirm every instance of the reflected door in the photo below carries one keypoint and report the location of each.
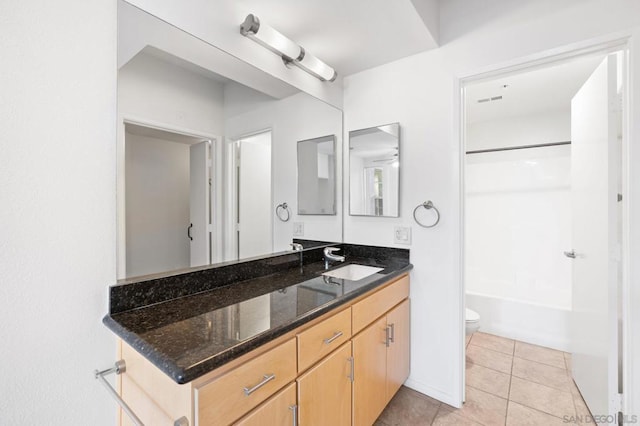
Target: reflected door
(595, 166)
(254, 196)
(199, 201)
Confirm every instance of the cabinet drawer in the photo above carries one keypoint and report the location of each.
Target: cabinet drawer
(367, 310)
(277, 411)
(321, 339)
(238, 391)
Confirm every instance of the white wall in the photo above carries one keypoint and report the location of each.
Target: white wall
(421, 93)
(298, 117)
(161, 94)
(239, 99)
(57, 221)
(543, 127)
(418, 93)
(154, 89)
(157, 205)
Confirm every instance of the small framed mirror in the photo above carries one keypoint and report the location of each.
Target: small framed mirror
(374, 171)
(317, 176)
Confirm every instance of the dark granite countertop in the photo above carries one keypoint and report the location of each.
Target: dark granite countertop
(190, 336)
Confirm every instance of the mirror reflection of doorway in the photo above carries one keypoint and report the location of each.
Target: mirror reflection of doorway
(253, 195)
(167, 200)
(373, 190)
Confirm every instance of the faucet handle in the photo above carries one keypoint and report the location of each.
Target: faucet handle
(329, 250)
(296, 246)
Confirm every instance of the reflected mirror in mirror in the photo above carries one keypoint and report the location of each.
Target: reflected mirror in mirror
(206, 148)
(374, 171)
(317, 176)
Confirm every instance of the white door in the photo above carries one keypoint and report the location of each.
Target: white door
(594, 167)
(198, 228)
(255, 218)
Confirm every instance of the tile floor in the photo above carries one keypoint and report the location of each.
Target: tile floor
(508, 383)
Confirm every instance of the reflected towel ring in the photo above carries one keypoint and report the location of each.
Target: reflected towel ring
(283, 207)
(427, 205)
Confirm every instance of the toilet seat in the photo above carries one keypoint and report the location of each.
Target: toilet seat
(472, 322)
(471, 316)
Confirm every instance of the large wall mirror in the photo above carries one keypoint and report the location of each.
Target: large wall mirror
(207, 149)
(374, 171)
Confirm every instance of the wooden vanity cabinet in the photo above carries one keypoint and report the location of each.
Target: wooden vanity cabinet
(398, 351)
(280, 410)
(381, 349)
(324, 392)
(339, 369)
(318, 341)
(370, 378)
(231, 395)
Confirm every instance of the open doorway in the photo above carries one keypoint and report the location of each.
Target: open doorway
(168, 212)
(542, 218)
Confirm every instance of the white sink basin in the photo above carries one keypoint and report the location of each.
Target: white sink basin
(353, 272)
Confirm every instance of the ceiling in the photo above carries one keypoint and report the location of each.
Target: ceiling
(353, 35)
(548, 88)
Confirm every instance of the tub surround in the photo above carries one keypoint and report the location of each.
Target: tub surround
(192, 323)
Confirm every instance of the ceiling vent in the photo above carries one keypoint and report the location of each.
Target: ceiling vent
(491, 99)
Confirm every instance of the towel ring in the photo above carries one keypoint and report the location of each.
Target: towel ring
(283, 207)
(427, 205)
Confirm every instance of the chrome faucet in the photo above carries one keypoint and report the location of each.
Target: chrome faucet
(328, 255)
(298, 247)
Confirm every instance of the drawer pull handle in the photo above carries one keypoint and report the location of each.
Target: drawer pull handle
(294, 408)
(328, 340)
(392, 337)
(267, 378)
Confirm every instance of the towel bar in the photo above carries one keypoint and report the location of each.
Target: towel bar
(119, 368)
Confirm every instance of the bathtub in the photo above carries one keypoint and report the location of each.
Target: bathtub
(528, 322)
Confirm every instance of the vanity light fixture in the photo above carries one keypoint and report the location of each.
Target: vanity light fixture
(290, 51)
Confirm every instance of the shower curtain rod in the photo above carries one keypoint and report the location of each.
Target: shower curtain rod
(511, 148)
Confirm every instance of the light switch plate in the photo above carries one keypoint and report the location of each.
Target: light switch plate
(402, 234)
(298, 229)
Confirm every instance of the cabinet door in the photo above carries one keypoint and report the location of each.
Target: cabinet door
(324, 392)
(398, 352)
(370, 365)
(277, 411)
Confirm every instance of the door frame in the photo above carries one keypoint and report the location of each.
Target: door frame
(622, 41)
(121, 227)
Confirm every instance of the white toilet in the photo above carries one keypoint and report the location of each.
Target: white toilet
(472, 322)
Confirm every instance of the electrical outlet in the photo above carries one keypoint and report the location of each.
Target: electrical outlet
(402, 234)
(298, 229)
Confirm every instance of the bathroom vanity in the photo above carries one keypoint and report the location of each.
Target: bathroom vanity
(265, 341)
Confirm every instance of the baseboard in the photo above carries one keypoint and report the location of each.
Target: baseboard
(434, 393)
(553, 342)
